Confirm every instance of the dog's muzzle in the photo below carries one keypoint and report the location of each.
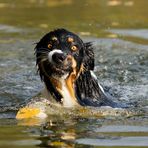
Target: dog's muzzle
(58, 57)
(61, 61)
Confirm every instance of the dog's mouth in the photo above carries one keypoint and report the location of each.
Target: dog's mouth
(61, 63)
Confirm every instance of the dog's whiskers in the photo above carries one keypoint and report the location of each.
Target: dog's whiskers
(41, 49)
(42, 52)
(42, 57)
(41, 61)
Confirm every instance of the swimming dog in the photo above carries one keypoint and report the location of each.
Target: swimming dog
(65, 64)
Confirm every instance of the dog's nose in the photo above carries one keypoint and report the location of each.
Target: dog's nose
(58, 57)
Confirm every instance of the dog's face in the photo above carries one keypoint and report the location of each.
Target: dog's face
(59, 53)
(62, 58)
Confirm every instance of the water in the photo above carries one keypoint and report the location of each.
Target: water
(119, 32)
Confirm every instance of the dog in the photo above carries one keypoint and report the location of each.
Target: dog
(65, 64)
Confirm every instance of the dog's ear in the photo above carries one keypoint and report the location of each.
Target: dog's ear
(88, 57)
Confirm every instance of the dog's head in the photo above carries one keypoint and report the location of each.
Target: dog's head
(62, 55)
(59, 53)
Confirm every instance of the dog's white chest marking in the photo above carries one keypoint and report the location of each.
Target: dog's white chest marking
(68, 100)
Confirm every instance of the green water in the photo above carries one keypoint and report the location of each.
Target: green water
(119, 32)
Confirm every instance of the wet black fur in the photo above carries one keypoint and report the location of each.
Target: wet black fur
(87, 90)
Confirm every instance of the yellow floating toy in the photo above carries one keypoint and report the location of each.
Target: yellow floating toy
(28, 112)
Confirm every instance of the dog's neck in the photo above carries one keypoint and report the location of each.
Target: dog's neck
(65, 86)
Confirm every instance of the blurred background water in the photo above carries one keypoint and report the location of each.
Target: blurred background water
(119, 32)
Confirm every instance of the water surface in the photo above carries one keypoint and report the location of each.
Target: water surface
(119, 32)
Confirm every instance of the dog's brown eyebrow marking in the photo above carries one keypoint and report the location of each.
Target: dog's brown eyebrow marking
(70, 39)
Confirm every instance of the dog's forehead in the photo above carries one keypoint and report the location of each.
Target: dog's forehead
(68, 37)
(64, 36)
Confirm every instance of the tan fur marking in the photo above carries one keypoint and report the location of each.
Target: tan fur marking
(56, 83)
(70, 84)
(70, 39)
(72, 78)
(80, 71)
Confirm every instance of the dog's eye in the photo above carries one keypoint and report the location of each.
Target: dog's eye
(74, 48)
(49, 46)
